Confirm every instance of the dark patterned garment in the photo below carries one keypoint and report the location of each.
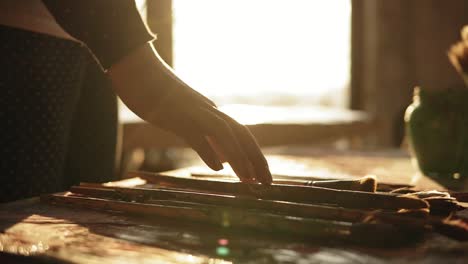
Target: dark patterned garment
(110, 28)
(40, 86)
(57, 109)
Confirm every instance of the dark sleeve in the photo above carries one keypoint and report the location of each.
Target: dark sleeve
(110, 28)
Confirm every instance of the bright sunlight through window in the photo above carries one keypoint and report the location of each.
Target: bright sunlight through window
(280, 52)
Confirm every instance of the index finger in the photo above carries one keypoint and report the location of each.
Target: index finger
(251, 148)
(217, 127)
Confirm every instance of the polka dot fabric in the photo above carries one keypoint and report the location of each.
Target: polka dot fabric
(93, 133)
(39, 88)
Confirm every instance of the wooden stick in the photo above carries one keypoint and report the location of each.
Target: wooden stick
(365, 184)
(235, 218)
(223, 218)
(306, 180)
(278, 207)
(301, 194)
(286, 208)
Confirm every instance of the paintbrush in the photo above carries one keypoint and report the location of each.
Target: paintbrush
(144, 195)
(291, 193)
(365, 184)
(458, 55)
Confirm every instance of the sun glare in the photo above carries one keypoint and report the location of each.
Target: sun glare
(264, 51)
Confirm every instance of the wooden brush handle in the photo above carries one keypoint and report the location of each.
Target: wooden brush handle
(301, 194)
(304, 180)
(145, 195)
(285, 208)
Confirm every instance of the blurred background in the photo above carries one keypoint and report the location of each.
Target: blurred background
(264, 52)
(323, 73)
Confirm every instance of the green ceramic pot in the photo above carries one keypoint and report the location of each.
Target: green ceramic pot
(437, 131)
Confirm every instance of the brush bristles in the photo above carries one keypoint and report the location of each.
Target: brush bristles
(368, 184)
(365, 184)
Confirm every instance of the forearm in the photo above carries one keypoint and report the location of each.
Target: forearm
(144, 81)
(134, 77)
(150, 88)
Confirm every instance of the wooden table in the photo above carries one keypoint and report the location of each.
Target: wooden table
(85, 236)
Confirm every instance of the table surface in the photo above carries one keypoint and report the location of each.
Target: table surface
(77, 235)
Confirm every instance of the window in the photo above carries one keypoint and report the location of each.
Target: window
(271, 52)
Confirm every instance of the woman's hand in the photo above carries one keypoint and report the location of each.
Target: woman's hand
(151, 89)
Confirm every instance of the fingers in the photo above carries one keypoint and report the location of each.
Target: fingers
(191, 131)
(205, 151)
(255, 155)
(217, 137)
(218, 129)
(221, 156)
(215, 146)
(194, 124)
(252, 149)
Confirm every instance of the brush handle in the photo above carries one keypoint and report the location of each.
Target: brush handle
(308, 181)
(144, 195)
(292, 193)
(284, 208)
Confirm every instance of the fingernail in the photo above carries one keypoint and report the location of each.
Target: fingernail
(217, 165)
